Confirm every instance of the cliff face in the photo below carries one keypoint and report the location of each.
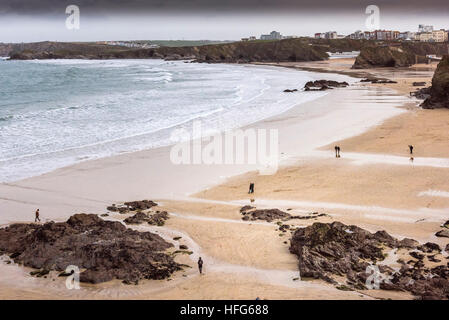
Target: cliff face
(263, 51)
(439, 92)
(396, 54)
(68, 50)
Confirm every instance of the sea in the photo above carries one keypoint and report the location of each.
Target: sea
(55, 113)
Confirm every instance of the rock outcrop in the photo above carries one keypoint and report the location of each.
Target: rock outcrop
(265, 214)
(132, 206)
(103, 250)
(383, 56)
(394, 54)
(320, 85)
(251, 214)
(422, 93)
(300, 49)
(443, 233)
(156, 219)
(331, 251)
(378, 81)
(439, 91)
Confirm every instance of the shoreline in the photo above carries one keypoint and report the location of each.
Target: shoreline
(99, 183)
(316, 109)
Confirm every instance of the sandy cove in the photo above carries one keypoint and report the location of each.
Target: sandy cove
(374, 185)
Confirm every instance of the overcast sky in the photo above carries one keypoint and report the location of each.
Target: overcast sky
(25, 21)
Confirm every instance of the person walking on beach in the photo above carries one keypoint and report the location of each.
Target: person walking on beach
(200, 265)
(411, 149)
(251, 188)
(337, 152)
(36, 219)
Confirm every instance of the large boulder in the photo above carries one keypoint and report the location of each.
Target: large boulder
(105, 249)
(439, 92)
(320, 85)
(335, 251)
(394, 54)
(382, 56)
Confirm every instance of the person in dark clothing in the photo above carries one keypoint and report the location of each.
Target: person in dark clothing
(337, 152)
(411, 149)
(251, 188)
(200, 265)
(36, 219)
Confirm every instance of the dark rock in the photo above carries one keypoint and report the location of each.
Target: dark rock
(183, 247)
(140, 205)
(433, 259)
(313, 216)
(334, 248)
(394, 54)
(422, 93)
(327, 250)
(273, 214)
(138, 218)
(443, 233)
(266, 214)
(378, 81)
(246, 208)
(417, 255)
(132, 206)
(408, 243)
(158, 219)
(320, 85)
(439, 92)
(384, 237)
(105, 249)
(290, 90)
(40, 273)
(419, 83)
(429, 247)
(446, 224)
(65, 274)
(112, 208)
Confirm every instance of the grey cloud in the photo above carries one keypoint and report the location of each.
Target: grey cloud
(143, 6)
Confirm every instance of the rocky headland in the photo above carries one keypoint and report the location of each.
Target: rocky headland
(301, 49)
(395, 54)
(321, 85)
(439, 91)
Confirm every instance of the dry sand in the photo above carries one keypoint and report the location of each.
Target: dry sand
(244, 260)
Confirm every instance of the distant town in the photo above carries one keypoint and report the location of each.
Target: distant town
(425, 33)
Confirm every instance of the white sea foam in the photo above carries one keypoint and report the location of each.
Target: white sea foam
(54, 113)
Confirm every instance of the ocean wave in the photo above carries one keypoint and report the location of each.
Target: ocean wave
(108, 111)
(201, 115)
(6, 118)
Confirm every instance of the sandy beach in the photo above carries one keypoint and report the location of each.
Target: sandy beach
(374, 185)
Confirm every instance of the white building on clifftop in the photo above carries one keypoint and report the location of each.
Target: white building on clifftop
(274, 35)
